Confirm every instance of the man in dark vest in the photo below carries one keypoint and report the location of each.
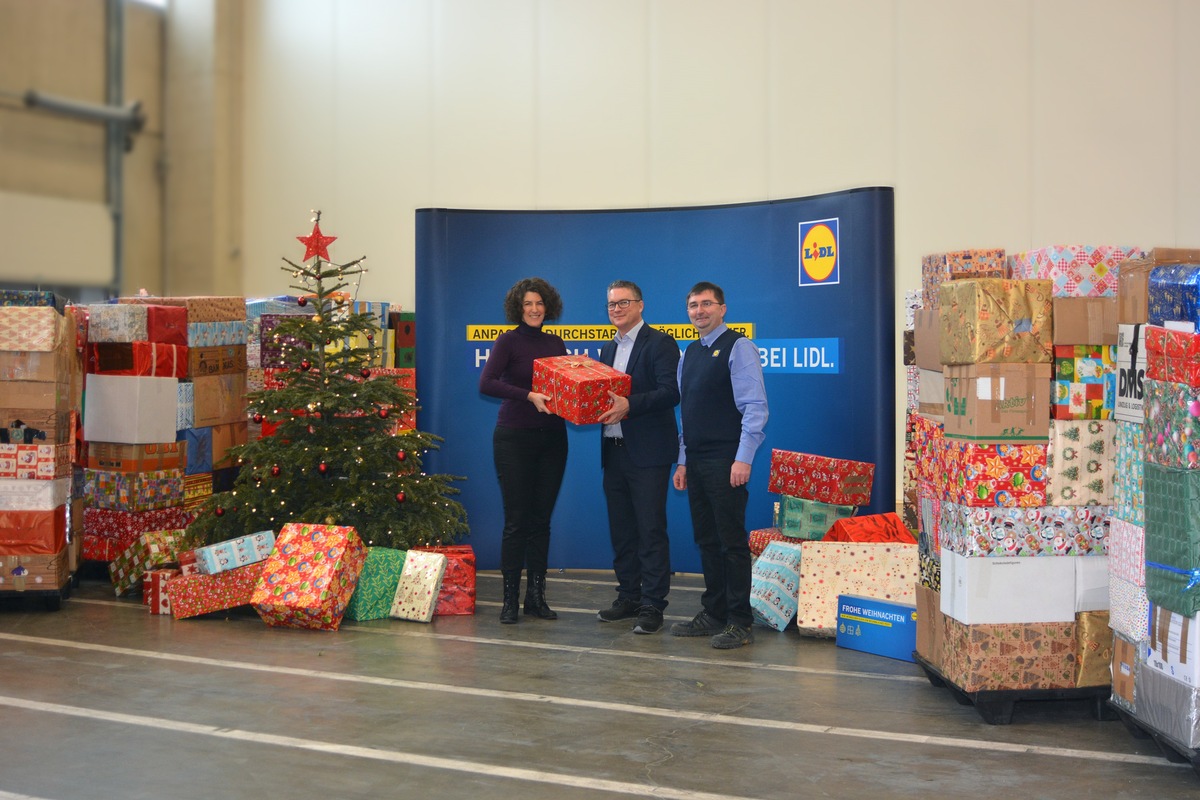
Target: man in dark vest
(639, 442)
(723, 409)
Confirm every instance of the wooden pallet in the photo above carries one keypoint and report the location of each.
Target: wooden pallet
(996, 706)
(1172, 749)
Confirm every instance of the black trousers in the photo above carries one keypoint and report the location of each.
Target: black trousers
(529, 466)
(719, 527)
(637, 526)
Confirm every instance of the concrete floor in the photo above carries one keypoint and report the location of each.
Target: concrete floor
(100, 699)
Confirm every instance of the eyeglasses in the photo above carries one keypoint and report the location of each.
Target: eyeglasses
(705, 304)
(619, 304)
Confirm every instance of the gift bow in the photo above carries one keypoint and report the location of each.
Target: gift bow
(1193, 575)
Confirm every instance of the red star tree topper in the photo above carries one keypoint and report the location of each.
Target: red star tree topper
(316, 243)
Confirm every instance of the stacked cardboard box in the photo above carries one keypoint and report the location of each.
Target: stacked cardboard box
(40, 385)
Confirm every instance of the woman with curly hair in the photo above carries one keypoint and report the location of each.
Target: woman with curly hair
(529, 444)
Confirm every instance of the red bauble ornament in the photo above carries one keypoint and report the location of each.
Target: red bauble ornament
(303, 301)
(322, 468)
(365, 372)
(316, 414)
(311, 429)
(306, 365)
(220, 512)
(258, 417)
(401, 455)
(370, 337)
(383, 413)
(275, 471)
(400, 497)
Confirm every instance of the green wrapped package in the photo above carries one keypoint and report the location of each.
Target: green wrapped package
(1172, 515)
(376, 589)
(808, 519)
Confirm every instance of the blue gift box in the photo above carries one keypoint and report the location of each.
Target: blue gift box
(876, 626)
(31, 297)
(199, 450)
(1174, 294)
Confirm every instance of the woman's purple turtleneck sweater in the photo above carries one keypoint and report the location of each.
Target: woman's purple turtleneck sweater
(508, 374)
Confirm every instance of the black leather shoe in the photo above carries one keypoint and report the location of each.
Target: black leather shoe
(649, 620)
(620, 609)
(732, 637)
(703, 624)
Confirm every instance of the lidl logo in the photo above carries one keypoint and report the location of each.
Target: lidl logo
(819, 253)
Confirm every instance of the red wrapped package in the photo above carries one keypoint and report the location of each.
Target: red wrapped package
(193, 595)
(457, 595)
(138, 358)
(762, 537)
(154, 590)
(33, 532)
(870, 528)
(578, 386)
(837, 481)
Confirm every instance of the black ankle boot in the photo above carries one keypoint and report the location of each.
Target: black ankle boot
(512, 596)
(535, 597)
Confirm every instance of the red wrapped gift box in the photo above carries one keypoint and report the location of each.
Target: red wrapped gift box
(1172, 355)
(106, 532)
(309, 577)
(578, 386)
(193, 595)
(35, 461)
(762, 537)
(992, 474)
(138, 358)
(33, 532)
(829, 480)
(457, 595)
(885, 527)
(154, 590)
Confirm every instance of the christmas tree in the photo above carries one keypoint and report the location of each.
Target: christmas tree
(337, 455)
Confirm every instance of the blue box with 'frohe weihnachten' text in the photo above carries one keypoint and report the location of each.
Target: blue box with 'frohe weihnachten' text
(882, 627)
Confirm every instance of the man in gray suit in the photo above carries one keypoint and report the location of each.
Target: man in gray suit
(639, 444)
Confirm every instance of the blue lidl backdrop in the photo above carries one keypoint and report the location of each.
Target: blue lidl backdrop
(810, 279)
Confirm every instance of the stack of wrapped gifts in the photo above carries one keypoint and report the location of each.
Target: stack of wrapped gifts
(40, 388)
(1015, 478)
(135, 469)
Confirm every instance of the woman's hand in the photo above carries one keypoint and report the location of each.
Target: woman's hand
(539, 401)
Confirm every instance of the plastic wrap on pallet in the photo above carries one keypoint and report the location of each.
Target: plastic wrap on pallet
(1168, 706)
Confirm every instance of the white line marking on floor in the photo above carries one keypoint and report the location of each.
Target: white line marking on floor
(598, 705)
(423, 633)
(551, 578)
(352, 751)
(12, 796)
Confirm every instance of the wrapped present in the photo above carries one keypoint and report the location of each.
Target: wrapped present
(30, 328)
(187, 563)
(41, 462)
(1074, 270)
(931, 626)
(991, 657)
(1032, 531)
(1007, 475)
(937, 268)
(185, 410)
(224, 439)
(1085, 381)
(34, 572)
(1127, 551)
(1171, 355)
(998, 403)
(1128, 608)
(108, 532)
(198, 309)
(759, 539)
(885, 527)
(1133, 280)
(912, 388)
(32, 297)
(41, 532)
(110, 322)
(457, 594)
(154, 589)
(148, 551)
(1079, 462)
(198, 443)
(1172, 427)
(274, 345)
(216, 360)
(284, 305)
(137, 358)
(837, 481)
(27, 495)
(810, 519)
(578, 386)
(234, 553)
(404, 323)
(406, 379)
(1128, 491)
(927, 339)
(827, 569)
(929, 446)
(775, 583)
(913, 299)
(1174, 294)
(135, 410)
(219, 399)
(136, 457)
(134, 491)
(1167, 705)
(909, 348)
(376, 589)
(1173, 538)
(216, 333)
(309, 577)
(929, 511)
(1173, 647)
(931, 394)
(990, 320)
(1087, 321)
(1126, 653)
(419, 587)
(929, 571)
(193, 595)
(196, 489)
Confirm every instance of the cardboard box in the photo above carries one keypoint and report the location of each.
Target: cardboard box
(219, 399)
(136, 457)
(986, 320)
(931, 394)
(34, 572)
(134, 410)
(1018, 590)
(931, 626)
(1134, 276)
(1174, 646)
(578, 386)
(50, 366)
(44, 408)
(881, 627)
(998, 403)
(1131, 374)
(1125, 653)
(224, 438)
(1085, 320)
(200, 308)
(219, 360)
(927, 339)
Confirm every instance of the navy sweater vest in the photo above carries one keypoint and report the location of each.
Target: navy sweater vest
(712, 424)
